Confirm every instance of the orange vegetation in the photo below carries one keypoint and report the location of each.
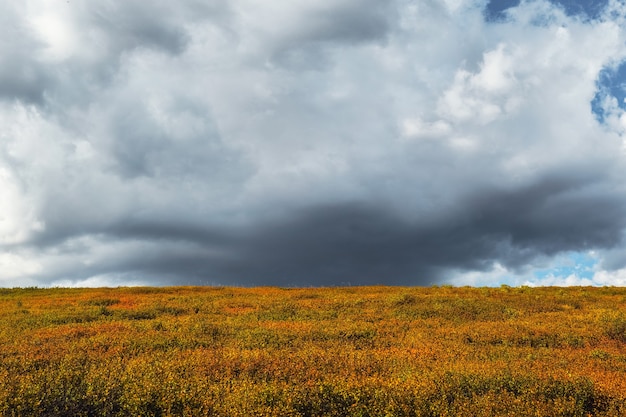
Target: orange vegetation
(364, 351)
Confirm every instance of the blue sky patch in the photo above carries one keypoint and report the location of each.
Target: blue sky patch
(585, 8)
(496, 9)
(581, 265)
(611, 82)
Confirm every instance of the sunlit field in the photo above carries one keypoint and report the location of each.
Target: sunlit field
(363, 351)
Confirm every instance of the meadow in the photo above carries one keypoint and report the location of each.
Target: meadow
(351, 351)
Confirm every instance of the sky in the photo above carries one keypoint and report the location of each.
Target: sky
(312, 143)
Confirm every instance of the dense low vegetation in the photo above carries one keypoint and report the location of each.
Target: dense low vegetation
(365, 351)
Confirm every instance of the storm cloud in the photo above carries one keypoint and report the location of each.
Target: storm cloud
(314, 143)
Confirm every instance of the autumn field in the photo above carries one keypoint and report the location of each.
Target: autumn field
(362, 351)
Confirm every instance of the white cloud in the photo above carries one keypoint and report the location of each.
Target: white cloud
(610, 278)
(18, 270)
(17, 219)
(558, 281)
(54, 26)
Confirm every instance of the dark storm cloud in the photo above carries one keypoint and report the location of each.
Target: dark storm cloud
(341, 244)
(360, 244)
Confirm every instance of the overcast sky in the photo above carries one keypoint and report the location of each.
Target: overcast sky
(312, 142)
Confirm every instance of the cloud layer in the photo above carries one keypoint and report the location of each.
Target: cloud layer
(313, 143)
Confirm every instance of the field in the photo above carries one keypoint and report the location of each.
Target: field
(362, 351)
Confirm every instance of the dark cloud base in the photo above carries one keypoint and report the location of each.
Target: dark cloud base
(353, 244)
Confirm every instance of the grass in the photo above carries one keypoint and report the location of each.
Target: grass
(364, 351)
